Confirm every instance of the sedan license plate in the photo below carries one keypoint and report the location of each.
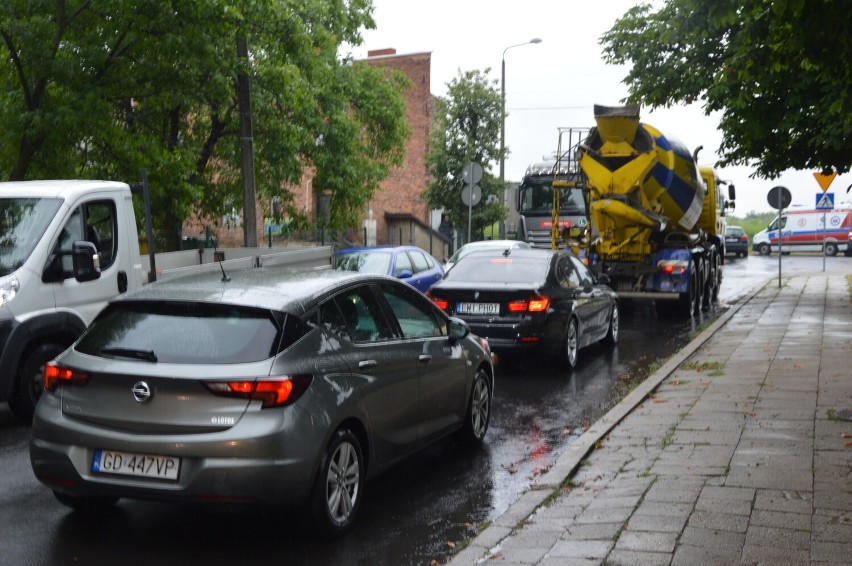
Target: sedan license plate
(140, 465)
(479, 308)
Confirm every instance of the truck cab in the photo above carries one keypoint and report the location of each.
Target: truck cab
(66, 248)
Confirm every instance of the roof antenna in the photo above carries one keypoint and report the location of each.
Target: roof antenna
(225, 277)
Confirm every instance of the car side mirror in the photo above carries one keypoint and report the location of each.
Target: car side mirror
(404, 274)
(458, 329)
(87, 264)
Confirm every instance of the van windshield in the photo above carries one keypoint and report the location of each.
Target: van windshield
(22, 224)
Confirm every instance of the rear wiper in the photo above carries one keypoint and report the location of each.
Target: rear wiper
(144, 355)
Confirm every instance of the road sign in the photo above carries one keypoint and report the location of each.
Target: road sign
(825, 201)
(472, 173)
(779, 197)
(825, 180)
(476, 195)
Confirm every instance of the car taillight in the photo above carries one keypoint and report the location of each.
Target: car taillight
(442, 304)
(744, 238)
(536, 303)
(55, 375)
(272, 391)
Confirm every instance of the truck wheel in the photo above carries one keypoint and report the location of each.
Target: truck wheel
(764, 249)
(830, 249)
(687, 301)
(336, 495)
(30, 380)
(711, 289)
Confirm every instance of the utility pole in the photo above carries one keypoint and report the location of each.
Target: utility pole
(246, 146)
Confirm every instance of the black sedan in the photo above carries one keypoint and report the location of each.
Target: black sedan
(281, 388)
(535, 298)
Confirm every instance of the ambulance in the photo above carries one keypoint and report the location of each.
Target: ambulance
(807, 231)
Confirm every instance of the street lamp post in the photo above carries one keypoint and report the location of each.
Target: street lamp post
(503, 124)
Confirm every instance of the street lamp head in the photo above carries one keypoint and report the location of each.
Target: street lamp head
(535, 40)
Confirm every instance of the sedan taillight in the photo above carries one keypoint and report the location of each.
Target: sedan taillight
(442, 304)
(272, 391)
(744, 238)
(536, 303)
(55, 375)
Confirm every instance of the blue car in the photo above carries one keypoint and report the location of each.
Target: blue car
(408, 263)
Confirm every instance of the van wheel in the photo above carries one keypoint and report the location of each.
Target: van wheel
(830, 249)
(29, 382)
(764, 249)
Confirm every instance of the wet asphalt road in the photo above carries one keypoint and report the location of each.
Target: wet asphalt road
(414, 513)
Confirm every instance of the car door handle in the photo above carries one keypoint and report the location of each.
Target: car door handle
(364, 364)
(424, 358)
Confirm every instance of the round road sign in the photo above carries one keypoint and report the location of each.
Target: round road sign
(779, 197)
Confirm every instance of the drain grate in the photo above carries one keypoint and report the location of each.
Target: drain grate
(842, 414)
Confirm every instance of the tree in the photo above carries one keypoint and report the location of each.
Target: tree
(103, 89)
(467, 128)
(778, 71)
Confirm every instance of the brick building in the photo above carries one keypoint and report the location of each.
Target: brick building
(398, 208)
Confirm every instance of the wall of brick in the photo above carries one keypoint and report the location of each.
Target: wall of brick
(400, 192)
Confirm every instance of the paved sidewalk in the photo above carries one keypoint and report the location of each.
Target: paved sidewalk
(737, 451)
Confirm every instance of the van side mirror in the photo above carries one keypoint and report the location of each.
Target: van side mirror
(84, 258)
(732, 194)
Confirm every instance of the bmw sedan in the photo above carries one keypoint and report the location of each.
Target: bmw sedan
(274, 387)
(531, 298)
(408, 263)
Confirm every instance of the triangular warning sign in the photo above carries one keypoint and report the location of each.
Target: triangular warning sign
(825, 202)
(825, 180)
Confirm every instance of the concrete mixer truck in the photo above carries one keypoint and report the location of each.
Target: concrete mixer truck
(659, 220)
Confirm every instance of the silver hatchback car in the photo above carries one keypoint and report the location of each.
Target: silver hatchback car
(282, 388)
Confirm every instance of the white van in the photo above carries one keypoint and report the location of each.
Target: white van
(807, 231)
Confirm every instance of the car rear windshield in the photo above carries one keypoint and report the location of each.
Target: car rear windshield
(188, 333)
(503, 269)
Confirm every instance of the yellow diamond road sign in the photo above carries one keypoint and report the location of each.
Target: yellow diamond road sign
(825, 180)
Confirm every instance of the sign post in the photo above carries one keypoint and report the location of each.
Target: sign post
(779, 197)
(824, 203)
(471, 193)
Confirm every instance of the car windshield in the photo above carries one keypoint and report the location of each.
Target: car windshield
(487, 268)
(365, 262)
(22, 224)
(186, 333)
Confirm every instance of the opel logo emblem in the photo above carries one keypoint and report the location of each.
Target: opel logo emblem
(476, 296)
(141, 391)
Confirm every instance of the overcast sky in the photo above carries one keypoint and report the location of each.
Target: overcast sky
(555, 83)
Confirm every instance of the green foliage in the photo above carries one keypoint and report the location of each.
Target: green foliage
(104, 89)
(778, 71)
(467, 128)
